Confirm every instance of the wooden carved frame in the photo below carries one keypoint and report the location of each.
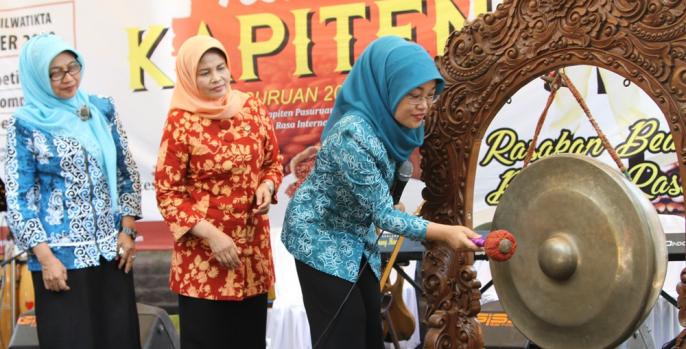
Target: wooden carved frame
(486, 63)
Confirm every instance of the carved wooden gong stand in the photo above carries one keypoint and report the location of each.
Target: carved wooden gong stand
(484, 64)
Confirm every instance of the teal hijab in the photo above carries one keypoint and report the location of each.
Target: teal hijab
(47, 112)
(388, 69)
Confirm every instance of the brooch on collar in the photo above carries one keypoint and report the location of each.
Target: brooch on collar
(84, 113)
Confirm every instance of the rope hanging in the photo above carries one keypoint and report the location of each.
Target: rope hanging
(557, 80)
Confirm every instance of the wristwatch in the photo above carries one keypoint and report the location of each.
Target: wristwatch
(130, 232)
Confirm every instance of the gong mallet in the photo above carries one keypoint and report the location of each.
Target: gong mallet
(499, 245)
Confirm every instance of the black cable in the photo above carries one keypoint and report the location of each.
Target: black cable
(398, 269)
(669, 298)
(487, 286)
(345, 299)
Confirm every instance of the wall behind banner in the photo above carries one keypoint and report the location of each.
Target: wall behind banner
(293, 54)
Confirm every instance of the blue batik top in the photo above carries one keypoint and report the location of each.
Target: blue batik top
(330, 221)
(58, 193)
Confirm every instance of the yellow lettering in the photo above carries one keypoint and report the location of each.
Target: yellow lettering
(637, 141)
(493, 198)
(661, 186)
(389, 9)
(499, 319)
(251, 49)
(203, 29)
(578, 146)
(655, 143)
(302, 42)
(343, 15)
(643, 175)
(544, 149)
(595, 147)
(563, 143)
(140, 50)
(448, 19)
(519, 151)
(669, 147)
(480, 6)
(272, 97)
(482, 317)
(499, 144)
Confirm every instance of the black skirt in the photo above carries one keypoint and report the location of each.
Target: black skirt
(99, 310)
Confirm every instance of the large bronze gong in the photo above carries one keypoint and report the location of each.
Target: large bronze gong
(591, 256)
(484, 64)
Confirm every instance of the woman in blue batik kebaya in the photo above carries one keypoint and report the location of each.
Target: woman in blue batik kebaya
(376, 123)
(73, 195)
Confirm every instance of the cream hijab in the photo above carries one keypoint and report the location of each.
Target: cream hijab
(186, 95)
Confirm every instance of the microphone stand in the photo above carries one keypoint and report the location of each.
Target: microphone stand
(13, 266)
(12, 259)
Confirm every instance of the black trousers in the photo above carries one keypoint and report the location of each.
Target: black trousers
(359, 323)
(210, 324)
(99, 311)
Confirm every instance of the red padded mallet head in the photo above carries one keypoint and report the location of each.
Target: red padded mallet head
(499, 245)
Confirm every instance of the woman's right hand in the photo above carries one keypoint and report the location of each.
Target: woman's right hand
(224, 250)
(53, 271)
(456, 236)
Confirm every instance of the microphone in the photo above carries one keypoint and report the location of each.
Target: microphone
(403, 175)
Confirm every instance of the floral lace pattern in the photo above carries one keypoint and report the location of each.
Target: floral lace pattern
(209, 170)
(57, 194)
(330, 221)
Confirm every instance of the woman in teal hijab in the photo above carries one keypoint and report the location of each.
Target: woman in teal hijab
(376, 123)
(73, 195)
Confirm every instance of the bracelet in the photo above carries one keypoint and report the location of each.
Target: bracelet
(130, 232)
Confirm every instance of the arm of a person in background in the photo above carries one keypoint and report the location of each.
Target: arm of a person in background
(20, 169)
(372, 193)
(271, 172)
(304, 155)
(300, 166)
(173, 199)
(129, 185)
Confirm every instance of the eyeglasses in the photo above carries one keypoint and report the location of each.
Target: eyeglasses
(58, 74)
(417, 100)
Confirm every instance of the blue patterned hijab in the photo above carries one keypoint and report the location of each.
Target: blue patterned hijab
(47, 112)
(387, 70)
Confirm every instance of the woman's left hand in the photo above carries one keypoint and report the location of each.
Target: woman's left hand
(126, 251)
(263, 198)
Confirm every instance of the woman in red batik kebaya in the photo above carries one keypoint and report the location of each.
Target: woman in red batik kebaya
(217, 171)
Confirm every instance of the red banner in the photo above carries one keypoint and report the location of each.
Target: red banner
(294, 55)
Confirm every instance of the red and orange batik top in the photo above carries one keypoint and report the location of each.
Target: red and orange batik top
(209, 169)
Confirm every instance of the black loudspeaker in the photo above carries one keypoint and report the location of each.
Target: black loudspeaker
(498, 330)
(157, 330)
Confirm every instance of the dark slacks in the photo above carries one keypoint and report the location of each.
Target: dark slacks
(210, 324)
(359, 323)
(99, 311)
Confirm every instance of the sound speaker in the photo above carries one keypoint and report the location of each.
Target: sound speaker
(157, 330)
(24, 335)
(498, 330)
